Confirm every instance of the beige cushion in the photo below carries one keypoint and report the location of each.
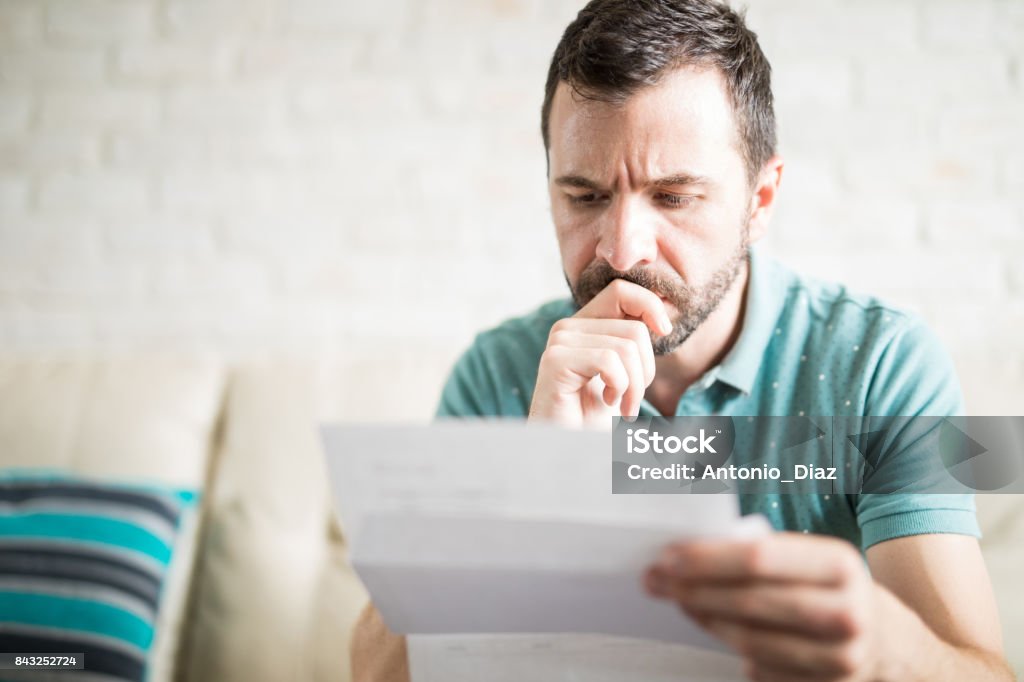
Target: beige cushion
(275, 598)
(133, 419)
(129, 418)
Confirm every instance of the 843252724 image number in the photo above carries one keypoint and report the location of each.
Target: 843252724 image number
(32, 661)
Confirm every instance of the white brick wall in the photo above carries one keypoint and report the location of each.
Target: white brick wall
(366, 178)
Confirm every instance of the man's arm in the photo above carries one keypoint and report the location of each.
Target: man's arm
(378, 655)
(943, 580)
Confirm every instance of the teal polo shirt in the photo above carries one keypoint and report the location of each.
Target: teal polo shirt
(805, 348)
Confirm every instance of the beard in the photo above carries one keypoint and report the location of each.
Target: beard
(693, 303)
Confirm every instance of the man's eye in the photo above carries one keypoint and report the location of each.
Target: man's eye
(675, 200)
(584, 199)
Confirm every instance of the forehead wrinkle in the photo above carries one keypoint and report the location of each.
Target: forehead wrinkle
(667, 129)
(635, 156)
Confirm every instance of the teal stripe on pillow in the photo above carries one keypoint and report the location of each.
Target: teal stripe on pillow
(82, 566)
(76, 614)
(106, 530)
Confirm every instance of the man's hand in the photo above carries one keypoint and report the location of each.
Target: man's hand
(800, 607)
(599, 362)
(791, 605)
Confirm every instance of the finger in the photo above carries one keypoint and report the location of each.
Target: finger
(816, 612)
(792, 653)
(576, 367)
(632, 330)
(622, 299)
(783, 557)
(764, 675)
(628, 353)
(767, 674)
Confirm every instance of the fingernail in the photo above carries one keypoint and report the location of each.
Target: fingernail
(722, 628)
(666, 559)
(657, 584)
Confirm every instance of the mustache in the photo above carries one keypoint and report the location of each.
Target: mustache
(599, 274)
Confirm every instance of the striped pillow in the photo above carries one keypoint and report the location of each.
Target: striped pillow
(82, 567)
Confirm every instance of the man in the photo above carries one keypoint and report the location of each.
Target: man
(659, 127)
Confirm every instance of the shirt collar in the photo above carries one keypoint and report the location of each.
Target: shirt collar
(764, 301)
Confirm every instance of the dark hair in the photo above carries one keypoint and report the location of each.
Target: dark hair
(615, 47)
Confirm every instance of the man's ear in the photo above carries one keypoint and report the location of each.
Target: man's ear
(762, 201)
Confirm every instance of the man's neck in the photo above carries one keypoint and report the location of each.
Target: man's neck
(705, 348)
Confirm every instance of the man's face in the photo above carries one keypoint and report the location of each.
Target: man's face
(654, 191)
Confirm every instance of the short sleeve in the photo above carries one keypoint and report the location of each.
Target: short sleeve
(496, 376)
(469, 391)
(915, 377)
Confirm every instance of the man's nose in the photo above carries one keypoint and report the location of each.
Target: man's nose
(627, 235)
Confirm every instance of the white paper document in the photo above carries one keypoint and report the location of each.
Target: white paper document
(564, 658)
(464, 530)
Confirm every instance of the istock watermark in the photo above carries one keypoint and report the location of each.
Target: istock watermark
(818, 455)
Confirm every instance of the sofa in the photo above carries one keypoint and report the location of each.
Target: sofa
(261, 589)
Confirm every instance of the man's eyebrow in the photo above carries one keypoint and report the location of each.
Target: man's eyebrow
(576, 181)
(680, 179)
(673, 180)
